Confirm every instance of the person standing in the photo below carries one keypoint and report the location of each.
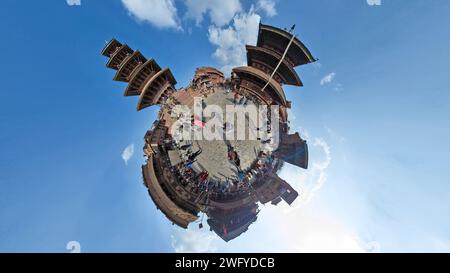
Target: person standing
(236, 97)
(241, 100)
(194, 155)
(241, 175)
(189, 164)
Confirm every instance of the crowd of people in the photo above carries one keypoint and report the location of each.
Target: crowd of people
(201, 181)
(262, 165)
(198, 181)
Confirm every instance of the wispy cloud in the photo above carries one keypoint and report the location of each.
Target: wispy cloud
(268, 6)
(231, 40)
(160, 13)
(328, 78)
(309, 181)
(374, 2)
(230, 27)
(194, 240)
(220, 12)
(334, 134)
(338, 87)
(319, 169)
(127, 153)
(320, 231)
(73, 2)
(312, 179)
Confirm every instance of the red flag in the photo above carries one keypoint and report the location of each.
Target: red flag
(198, 122)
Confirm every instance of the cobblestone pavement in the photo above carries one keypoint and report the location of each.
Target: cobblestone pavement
(214, 156)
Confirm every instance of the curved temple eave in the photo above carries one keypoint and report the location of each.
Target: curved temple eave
(244, 71)
(270, 59)
(134, 85)
(299, 53)
(110, 47)
(130, 63)
(147, 99)
(118, 56)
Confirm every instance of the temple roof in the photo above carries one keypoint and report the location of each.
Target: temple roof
(270, 60)
(118, 56)
(128, 65)
(208, 70)
(148, 95)
(294, 150)
(207, 74)
(248, 72)
(109, 49)
(278, 39)
(140, 75)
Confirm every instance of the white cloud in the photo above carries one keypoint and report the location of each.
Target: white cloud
(128, 153)
(315, 230)
(191, 241)
(309, 181)
(230, 30)
(372, 246)
(220, 12)
(328, 78)
(160, 13)
(338, 87)
(335, 135)
(268, 6)
(73, 2)
(318, 169)
(231, 40)
(374, 2)
(312, 179)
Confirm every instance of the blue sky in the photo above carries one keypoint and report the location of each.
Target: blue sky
(377, 126)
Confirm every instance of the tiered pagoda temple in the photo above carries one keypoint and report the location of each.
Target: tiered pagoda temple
(145, 77)
(267, 71)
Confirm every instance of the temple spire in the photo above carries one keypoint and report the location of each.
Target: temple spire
(145, 78)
